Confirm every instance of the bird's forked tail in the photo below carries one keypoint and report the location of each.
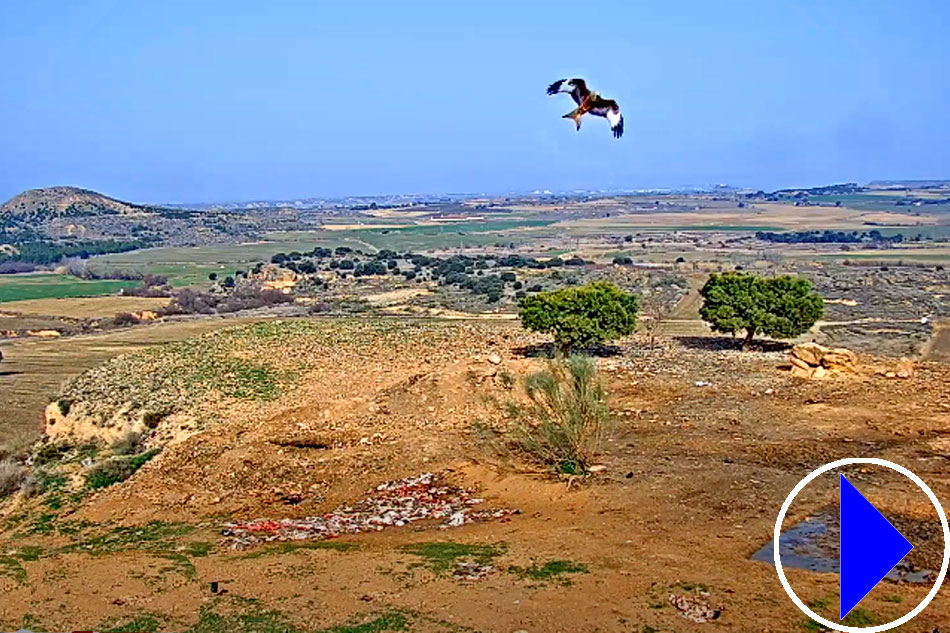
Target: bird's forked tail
(576, 115)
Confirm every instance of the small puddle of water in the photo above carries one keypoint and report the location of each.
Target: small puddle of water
(813, 545)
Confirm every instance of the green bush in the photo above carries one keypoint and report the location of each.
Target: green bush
(117, 469)
(566, 417)
(780, 307)
(583, 316)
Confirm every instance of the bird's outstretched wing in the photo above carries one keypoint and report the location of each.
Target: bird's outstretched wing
(608, 109)
(576, 87)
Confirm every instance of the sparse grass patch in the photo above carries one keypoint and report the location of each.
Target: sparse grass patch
(199, 549)
(26, 553)
(250, 619)
(819, 604)
(32, 623)
(145, 623)
(443, 556)
(289, 548)
(11, 567)
(117, 469)
(566, 417)
(51, 481)
(180, 563)
(551, 570)
(895, 599)
(389, 621)
(154, 536)
(857, 617)
(52, 452)
(249, 616)
(860, 617)
(44, 524)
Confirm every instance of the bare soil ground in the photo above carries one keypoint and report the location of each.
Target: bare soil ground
(939, 346)
(694, 478)
(84, 307)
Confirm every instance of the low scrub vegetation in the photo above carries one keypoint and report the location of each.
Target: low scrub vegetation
(244, 297)
(117, 469)
(566, 417)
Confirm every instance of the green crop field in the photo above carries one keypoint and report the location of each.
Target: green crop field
(52, 286)
(877, 202)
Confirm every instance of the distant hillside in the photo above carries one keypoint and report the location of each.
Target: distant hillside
(66, 201)
(59, 221)
(910, 184)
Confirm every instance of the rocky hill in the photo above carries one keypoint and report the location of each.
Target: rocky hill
(58, 214)
(66, 201)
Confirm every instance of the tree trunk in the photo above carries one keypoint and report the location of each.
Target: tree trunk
(747, 343)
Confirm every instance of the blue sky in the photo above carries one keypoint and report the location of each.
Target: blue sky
(226, 100)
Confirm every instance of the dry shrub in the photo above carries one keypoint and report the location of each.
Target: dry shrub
(566, 418)
(12, 475)
(16, 448)
(128, 444)
(124, 319)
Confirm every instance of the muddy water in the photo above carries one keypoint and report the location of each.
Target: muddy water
(813, 544)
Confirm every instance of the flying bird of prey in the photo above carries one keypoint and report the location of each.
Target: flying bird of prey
(589, 103)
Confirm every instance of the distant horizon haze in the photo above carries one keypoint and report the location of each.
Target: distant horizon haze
(220, 101)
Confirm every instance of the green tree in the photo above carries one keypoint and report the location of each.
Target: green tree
(780, 307)
(583, 316)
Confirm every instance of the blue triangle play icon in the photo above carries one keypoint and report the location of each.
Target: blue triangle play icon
(870, 546)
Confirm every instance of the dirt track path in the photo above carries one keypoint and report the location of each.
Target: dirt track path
(938, 348)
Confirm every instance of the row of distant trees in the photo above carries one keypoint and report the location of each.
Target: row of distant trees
(733, 303)
(820, 237)
(48, 253)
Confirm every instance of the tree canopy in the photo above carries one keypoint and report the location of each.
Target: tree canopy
(583, 316)
(780, 307)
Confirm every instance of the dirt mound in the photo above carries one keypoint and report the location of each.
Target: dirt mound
(314, 446)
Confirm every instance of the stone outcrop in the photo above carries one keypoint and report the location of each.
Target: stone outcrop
(811, 360)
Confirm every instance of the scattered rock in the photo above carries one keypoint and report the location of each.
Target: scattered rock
(494, 359)
(809, 353)
(840, 359)
(797, 362)
(44, 333)
(695, 609)
(811, 360)
(472, 572)
(905, 368)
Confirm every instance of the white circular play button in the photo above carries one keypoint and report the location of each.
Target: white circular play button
(872, 549)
